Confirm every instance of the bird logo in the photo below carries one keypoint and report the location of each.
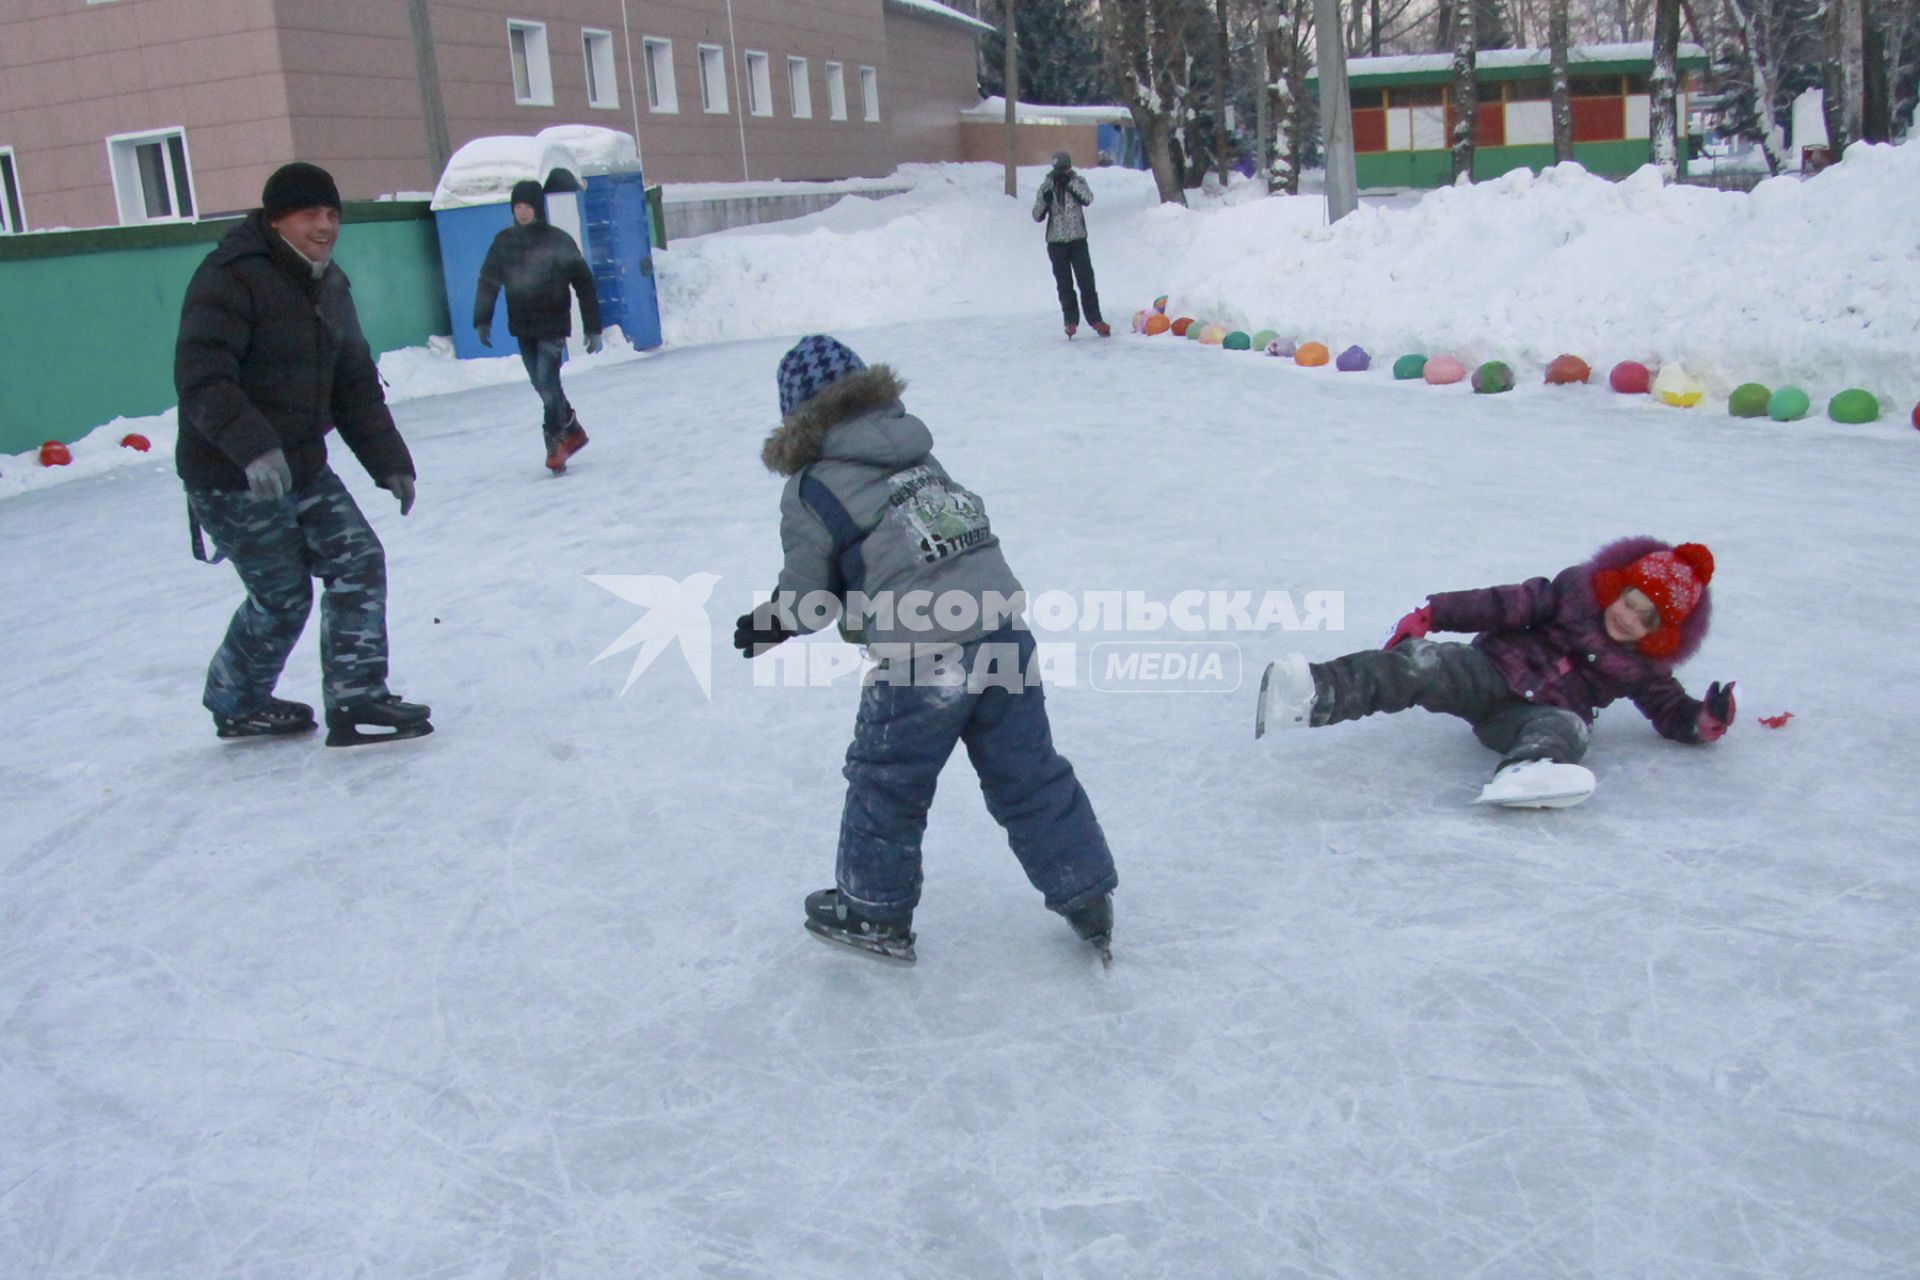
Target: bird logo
(674, 613)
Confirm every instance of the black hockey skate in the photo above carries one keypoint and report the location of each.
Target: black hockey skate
(1094, 922)
(832, 920)
(275, 718)
(379, 719)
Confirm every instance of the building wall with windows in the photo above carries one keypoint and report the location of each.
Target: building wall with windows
(137, 111)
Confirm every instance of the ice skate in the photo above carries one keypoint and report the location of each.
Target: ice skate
(1286, 696)
(573, 438)
(380, 719)
(1072, 329)
(275, 718)
(831, 919)
(1538, 784)
(1094, 923)
(1102, 328)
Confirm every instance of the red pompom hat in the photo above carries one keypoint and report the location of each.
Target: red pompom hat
(1674, 580)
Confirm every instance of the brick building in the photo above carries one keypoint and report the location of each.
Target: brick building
(138, 111)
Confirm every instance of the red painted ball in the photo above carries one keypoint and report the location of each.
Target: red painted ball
(55, 454)
(1630, 378)
(135, 441)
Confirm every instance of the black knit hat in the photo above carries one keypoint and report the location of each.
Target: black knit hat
(298, 186)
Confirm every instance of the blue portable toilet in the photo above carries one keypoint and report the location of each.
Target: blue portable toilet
(587, 200)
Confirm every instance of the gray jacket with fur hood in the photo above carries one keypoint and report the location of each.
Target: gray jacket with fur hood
(869, 510)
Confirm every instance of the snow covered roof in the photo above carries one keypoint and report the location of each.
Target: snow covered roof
(1639, 53)
(484, 170)
(934, 9)
(995, 109)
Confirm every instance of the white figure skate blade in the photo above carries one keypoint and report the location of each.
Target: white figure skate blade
(1543, 785)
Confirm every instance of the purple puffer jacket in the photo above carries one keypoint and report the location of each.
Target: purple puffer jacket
(1549, 640)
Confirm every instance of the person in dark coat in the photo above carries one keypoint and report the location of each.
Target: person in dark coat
(1062, 197)
(270, 358)
(536, 263)
(1549, 654)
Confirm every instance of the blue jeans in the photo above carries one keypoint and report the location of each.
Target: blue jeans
(901, 739)
(543, 356)
(278, 547)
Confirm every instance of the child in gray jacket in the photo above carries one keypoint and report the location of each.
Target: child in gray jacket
(878, 536)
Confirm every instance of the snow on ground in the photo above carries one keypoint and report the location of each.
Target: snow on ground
(530, 997)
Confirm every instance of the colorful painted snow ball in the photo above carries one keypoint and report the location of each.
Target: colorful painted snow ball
(1238, 340)
(1630, 378)
(1916, 417)
(1160, 304)
(1853, 406)
(1749, 400)
(55, 454)
(135, 441)
(1354, 360)
(1181, 326)
(1311, 355)
(1140, 321)
(1280, 347)
(1676, 387)
(1568, 371)
(1493, 377)
(1157, 324)
(1444, 371)
(1197, 328)
(1213, 335)
(1788, 404)
(1263, 339)
(1409, 367)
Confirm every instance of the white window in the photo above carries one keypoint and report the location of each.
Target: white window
(532, 74)
(12, 219)
(661, 95)
(152, 181)
(870, 91)
(759, 85)
(836, 91)
(713, 79)
(603, 88)
(799, 89)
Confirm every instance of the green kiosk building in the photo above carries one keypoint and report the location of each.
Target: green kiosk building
(1402, 112)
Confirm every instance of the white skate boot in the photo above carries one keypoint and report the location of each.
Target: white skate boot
(1286, 696)
(1538, 784)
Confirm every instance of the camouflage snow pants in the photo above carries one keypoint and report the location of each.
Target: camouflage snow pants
(1453, 678)
(278, 548)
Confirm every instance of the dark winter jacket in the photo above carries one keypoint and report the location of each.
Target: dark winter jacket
(1549, 640)
(535, 264)
(1059, 205)
(269, 357)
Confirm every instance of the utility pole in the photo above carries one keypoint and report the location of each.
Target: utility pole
(1336, 110)
(1011, 77)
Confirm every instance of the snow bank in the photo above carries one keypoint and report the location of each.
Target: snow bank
(98, 451)
(1806, 282)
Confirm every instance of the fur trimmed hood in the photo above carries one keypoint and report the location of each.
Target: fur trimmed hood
(801, 437)
(1622, 552)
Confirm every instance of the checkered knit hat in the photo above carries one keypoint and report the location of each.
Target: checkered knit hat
(814, 362)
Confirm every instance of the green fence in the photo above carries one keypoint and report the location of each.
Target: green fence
(89, 317)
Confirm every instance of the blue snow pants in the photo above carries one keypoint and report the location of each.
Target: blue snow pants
(278, 547)
(902, 738)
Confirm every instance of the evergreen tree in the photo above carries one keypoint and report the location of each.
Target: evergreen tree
(1059, 52)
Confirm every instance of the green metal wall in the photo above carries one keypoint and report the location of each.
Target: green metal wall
(89, 317)
(1435, 168)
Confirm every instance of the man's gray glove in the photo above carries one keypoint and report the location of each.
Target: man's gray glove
(594, 344)
(269, 478)
(484, 332)
(401, 487)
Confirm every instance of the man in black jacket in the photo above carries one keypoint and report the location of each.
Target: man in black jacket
(536, 262)
(269, 359)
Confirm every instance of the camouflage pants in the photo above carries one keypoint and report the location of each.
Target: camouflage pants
(278, 548)
(1455, 679)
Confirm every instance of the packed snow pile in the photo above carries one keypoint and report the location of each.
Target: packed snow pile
(1798, 281)
(484, 170)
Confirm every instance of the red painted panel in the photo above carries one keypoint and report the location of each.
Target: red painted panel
(1369, 131)
(1490, 130)
(1599, 119)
